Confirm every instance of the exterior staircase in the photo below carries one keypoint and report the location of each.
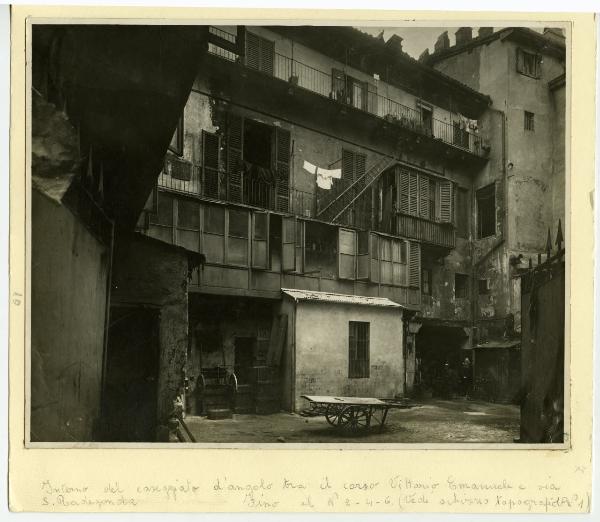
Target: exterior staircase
(344, 200)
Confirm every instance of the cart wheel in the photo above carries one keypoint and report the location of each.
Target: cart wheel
(332, 413)
(353, 420)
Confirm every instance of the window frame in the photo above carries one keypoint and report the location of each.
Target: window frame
(522, 57)
(177, 149)
(359, 340)
(529, 121)
(479, 214)
(464, 278)
(426, 282)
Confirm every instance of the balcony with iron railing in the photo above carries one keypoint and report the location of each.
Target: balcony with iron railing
(301, 75)
(184, 177)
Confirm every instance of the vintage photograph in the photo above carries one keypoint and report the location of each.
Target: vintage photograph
(297, 234)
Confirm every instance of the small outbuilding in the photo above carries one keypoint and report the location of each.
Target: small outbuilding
(341, 345)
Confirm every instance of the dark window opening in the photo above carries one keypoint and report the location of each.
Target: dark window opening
(463, 211)
(486, 211)
(426, 117)
(260, 53)
(529, 64)
(358, 348)
(484, 286)
(529, 121)
(258, 143)
(320, 249)
(461, 286)
(426, 281)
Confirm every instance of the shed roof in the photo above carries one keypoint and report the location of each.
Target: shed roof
(329, 297)
(508, 343)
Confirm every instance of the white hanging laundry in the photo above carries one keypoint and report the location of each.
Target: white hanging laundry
(335, 173)
(312, 169)
(324, 182)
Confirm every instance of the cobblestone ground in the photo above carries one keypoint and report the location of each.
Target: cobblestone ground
(433, 421)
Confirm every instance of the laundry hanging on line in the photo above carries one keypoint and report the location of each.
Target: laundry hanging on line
(325, 177)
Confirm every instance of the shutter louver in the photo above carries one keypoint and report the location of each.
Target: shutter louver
(412, 193)
(252, 51)
(347, 167)
(403, 192)
(423, 196)
(234, 158)
(210, 157)
(267, 56)
(446, 201)
(414, 265)
(282, 151)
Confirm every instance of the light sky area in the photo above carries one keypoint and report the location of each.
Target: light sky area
(415, 39)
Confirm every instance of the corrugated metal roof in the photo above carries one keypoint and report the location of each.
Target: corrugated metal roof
(328, 297)
(509, 343)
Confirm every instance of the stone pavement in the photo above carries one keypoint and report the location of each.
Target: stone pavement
(433, 421)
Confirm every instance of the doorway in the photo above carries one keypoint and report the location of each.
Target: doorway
(131, 375)
(244, 358)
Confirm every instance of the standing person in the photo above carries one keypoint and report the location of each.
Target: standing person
(466, 377)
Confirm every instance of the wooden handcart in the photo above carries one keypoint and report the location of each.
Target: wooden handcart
(353, 415)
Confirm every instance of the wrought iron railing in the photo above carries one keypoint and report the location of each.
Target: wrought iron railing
(357, 95)
(179, 175)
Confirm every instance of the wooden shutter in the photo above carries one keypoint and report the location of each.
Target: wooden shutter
(362, 256)
(520, 65)
(372, 98)
(374, 257)
(235, 153)
(360, 166)
(252, 51)
(282, 166)
(446, 201)
(403, 191)
(414, 264)
(260, 240)
(288, 244)
(346, 253)
(413, 193)
(423, 196)
(210, 164)
(267, 55)
(347, 167)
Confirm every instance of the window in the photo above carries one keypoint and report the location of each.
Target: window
(320, 255)
(353, 166)
(176, 145)
(347, 253)
(225, 235)
(529, 121)
(529, 64)
(260, 240)
(486, 211)
(258, 142)
(358, 350)
(423, 196)
(484, 286)
(260, 53)
(463, 211)
(426, 116)
(461, 286)
(394, 261)
(188, 224)
(162, 220)
(349, 90)
(426, 281)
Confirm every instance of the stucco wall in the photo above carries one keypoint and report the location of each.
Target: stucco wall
(146, 272)
(321, 355)
(69, 270)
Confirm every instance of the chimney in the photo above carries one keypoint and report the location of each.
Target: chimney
(394, 44)
(423, 56)
(555, 34)
(464, 35)
(443, 42)
(485, 31)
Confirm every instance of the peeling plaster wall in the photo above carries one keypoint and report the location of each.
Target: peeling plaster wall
(147, 273)
(322, 351)
(69, 270)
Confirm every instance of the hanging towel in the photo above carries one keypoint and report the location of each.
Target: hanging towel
(312, 169)
(324, 182)
(335, 173)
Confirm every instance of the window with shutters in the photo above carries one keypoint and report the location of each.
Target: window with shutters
(260, 53)
(393, 254)
(260, 240)
(237, 237)
(353, 166)
(426, 281)
(210, 164)
(486, 211)
(414, 264)
(225, 238)
(352, 91)
(461, 286)
(283, 143)
(176, 145)
(423, 196)
(213, 234)
(258, 142)
(528, 63)
(358, 349)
